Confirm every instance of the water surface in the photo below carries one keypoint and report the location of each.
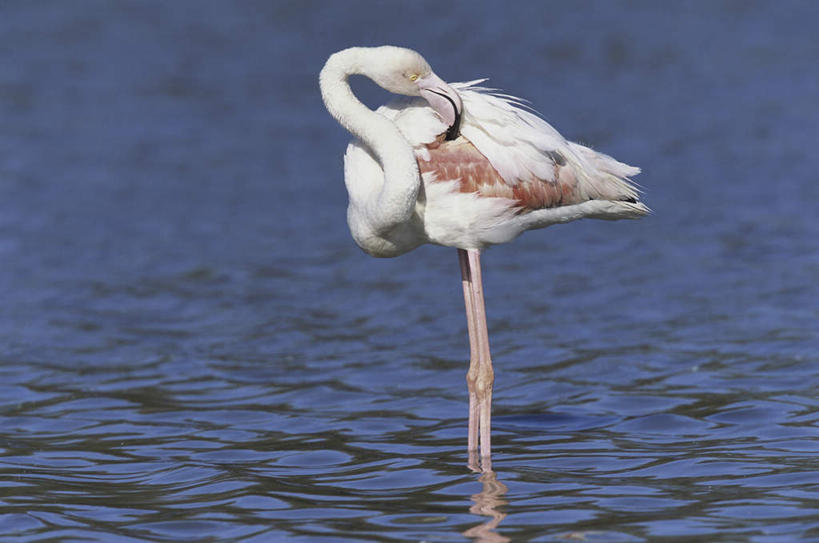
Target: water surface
(191, 346)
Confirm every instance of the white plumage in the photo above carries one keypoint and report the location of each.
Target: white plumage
(462, 166)
(518, 144)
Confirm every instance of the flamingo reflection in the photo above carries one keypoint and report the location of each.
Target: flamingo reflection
(487, 502)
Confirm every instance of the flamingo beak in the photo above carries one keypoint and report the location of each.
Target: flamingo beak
(444, 100)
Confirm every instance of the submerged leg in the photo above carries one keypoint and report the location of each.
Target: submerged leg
(485, 378)
(472, 374)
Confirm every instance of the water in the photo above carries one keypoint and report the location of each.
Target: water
(191, 347)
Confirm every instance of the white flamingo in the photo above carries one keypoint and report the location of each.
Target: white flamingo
(462, 166)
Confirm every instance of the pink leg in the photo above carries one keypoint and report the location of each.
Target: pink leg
(471, 376)
(486, 375)
(480, 377)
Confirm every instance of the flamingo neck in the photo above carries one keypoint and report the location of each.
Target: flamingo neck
(395, 203)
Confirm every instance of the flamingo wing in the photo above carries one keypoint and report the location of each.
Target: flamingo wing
(507, 151)
(540, 166)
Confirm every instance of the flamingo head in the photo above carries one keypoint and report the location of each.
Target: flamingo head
(403, 71)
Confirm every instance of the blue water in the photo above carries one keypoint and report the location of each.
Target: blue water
(192, 347)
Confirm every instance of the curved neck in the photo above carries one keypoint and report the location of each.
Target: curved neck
(396, 201)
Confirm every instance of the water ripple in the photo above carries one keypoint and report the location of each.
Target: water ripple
(192, 348)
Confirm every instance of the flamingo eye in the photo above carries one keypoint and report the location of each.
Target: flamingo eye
(413, 77)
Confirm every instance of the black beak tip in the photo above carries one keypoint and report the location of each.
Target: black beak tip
(454, 131)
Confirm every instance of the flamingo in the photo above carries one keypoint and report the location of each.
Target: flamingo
(462, 166)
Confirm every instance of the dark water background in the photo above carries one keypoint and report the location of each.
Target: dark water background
(191, 346)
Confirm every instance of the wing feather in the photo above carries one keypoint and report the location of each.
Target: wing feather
(524, 148)
(515, 153)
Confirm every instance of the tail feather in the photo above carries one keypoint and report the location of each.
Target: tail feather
(612, 181)
(621, 210)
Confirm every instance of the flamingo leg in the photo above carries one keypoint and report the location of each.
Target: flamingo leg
(480, 377)
(486, 375)
(472, 374)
